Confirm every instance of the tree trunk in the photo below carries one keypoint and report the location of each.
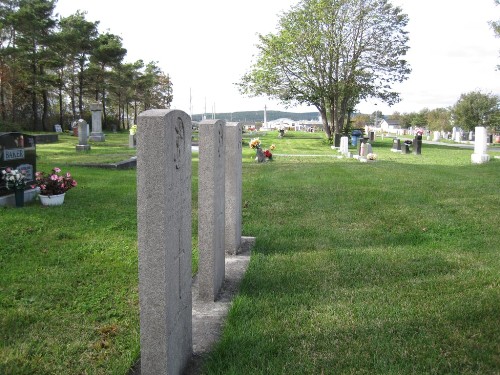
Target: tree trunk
(80, 89)
(104, 121)
(3, 110)
(135, 112)
(61, 111)
(45, 113)
(324, 120)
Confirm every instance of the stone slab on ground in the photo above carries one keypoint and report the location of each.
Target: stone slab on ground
(209, 317)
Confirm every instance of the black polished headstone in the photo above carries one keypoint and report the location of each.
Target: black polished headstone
(417, 145)
(18, 151)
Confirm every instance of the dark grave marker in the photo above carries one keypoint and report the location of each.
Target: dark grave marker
(18, 151)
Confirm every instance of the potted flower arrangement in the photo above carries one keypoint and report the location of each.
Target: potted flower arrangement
(262, 156)
(15, 179)
(53, 186)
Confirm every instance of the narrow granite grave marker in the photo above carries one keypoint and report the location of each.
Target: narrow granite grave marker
(233, 187)
(164, 240)
(211, 208)
(96, 135)
(83, 136)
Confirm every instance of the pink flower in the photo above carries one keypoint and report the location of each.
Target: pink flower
(57, 170)
(53, 177)
(68, 175)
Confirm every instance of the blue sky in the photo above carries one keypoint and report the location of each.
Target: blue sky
(206, 46)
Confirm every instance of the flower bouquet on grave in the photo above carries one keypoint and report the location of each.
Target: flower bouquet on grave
(262, 156)
(371, 156)
(14, 179)
(53, 186)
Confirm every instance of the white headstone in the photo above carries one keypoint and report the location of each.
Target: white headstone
(344, 145)
(480, 147)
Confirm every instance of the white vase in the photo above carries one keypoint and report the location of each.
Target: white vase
(52, 200)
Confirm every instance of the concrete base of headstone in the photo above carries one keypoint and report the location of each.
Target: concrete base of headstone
(97, 137)
(9, 200)
(82, 147)
(480, 158)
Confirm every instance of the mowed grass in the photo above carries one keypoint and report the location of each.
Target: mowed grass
(390, 267)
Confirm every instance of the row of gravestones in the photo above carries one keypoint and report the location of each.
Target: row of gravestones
(164, 175)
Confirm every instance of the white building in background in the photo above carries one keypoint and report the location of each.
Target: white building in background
(288, 124)
(389, 126)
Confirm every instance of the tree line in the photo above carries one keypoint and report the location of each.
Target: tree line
(334, 53)
(472, 109)
(52, 68)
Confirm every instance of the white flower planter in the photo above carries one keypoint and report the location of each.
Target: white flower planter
(52, 200)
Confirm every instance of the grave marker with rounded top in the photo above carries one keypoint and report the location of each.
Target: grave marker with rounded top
(233, 187)
(82, 136)
(97, 135)
(211, 208)
(164, 240)
(480, 147)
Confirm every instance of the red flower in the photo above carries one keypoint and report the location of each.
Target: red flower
(268, 154)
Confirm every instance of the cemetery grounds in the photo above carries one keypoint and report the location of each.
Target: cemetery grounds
(385, 267)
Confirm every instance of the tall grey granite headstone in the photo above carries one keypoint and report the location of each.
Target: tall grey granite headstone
(233, 187)
(164, 240)
(211, 208)
(480, 155)
(96, 135)
(83, 136)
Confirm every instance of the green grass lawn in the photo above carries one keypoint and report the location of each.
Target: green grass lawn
(389, 267)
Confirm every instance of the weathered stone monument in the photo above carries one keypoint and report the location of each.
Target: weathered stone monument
(396, 145)
(480, 147)
(261, 158)
(211, 208)
(164, 240)
(344, 145)
(436, 136)
(233, 187)
(83, 136)
(96, 135)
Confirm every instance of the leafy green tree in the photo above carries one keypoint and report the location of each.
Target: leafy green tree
(477, 109)
(77, 36)
(439, 119)
(331, 54)
(107, 54)
(7, 9)
(34, 25)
